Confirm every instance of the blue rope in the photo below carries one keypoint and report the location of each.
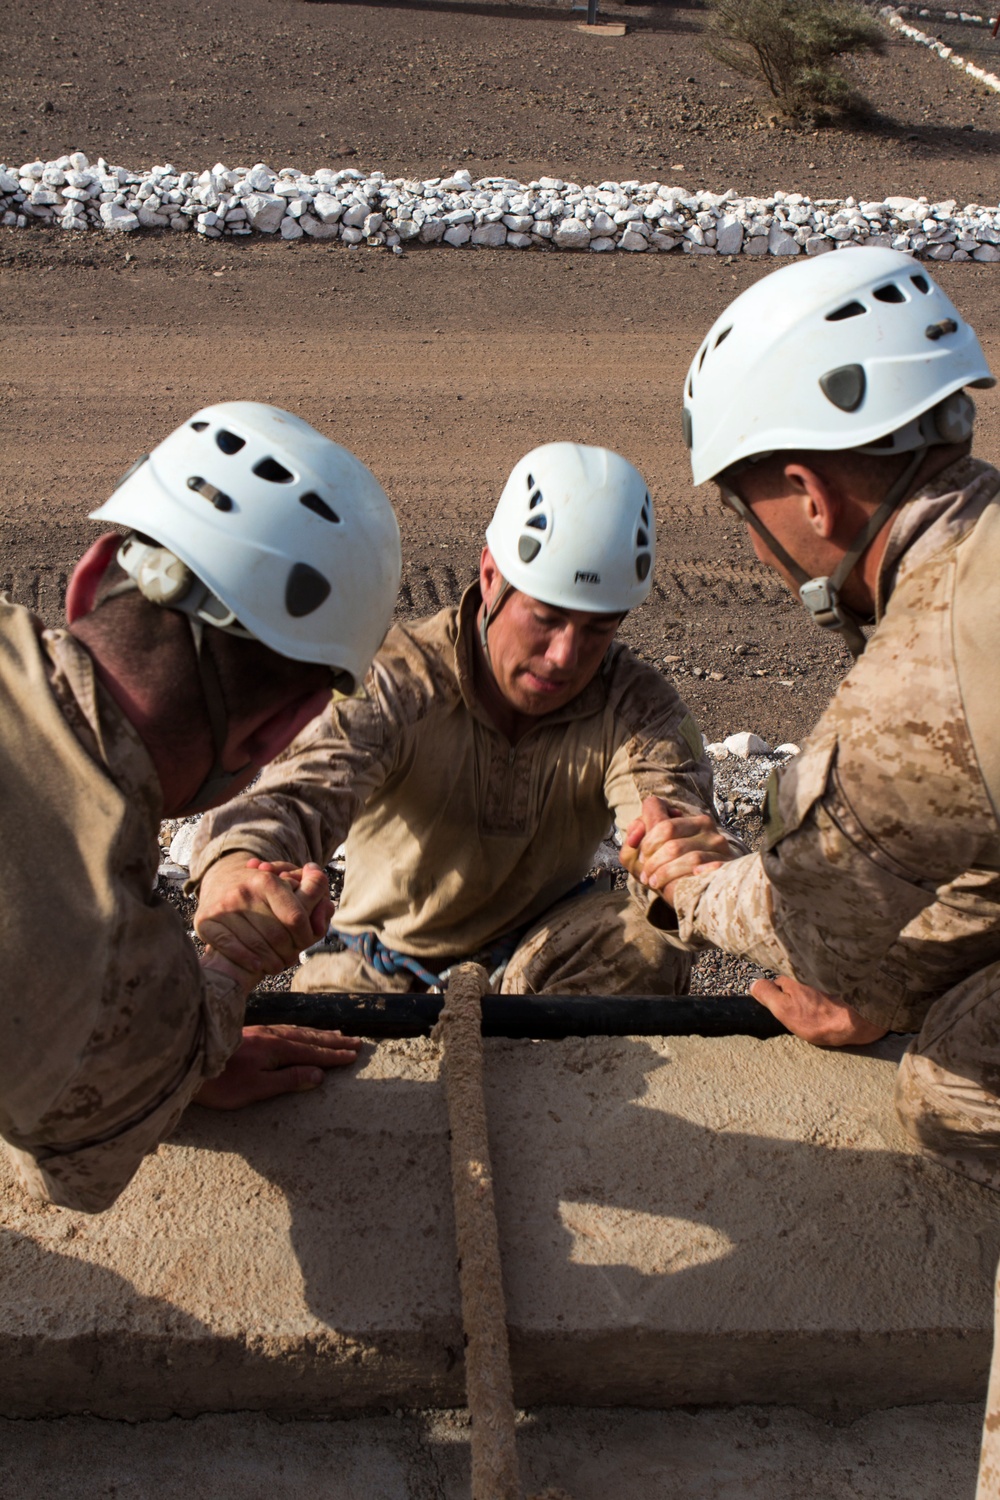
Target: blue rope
(390, 961)
(384, 960)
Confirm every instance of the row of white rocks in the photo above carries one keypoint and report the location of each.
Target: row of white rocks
(982, 75)
(952, 17)
(376, 210)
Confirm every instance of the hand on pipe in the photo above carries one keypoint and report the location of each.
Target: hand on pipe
(815, 1016)
(260, 915)
(273, 1060)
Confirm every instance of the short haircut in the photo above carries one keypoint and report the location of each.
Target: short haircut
(156, 642)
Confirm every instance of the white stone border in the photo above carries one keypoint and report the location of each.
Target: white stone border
(944, 17)
(548, 213)
(892, 18)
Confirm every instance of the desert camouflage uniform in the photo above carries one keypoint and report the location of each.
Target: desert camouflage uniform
(107, 1023)
(989, 1461)
(879, 874)
(458, 838)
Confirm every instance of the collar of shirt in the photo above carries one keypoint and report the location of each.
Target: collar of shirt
(593, 699)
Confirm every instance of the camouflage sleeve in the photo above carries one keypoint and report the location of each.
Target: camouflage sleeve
(660, 753)
(826, 897)
(305, 801)
(166, 1024)
(884, 808)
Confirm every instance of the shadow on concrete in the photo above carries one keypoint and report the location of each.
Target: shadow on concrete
(65, 1325)
(649, 1259)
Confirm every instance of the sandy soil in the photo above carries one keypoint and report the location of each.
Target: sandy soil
(420, 84)
(439, 369)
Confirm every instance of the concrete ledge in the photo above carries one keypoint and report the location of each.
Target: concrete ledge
(912, 1453)
(686, 1221)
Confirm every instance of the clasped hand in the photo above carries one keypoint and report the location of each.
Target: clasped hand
(663, 845)
(260, 914)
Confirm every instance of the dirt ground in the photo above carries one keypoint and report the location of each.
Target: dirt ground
(439, 369)
(418, 85)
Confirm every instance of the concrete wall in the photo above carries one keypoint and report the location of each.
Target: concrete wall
(686, 1221)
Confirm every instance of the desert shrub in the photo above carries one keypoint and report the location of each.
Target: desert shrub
(793, 45)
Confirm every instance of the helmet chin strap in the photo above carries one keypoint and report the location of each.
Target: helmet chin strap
(821, 596)
(486, 618)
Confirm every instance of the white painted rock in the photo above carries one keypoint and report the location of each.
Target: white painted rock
(327, 208)
(490, 234)
(717, 750)
(780, 242)
(265, 211)
(182, 844)
(118, 219)
(729, 236)
(633, 240)
(572, 234)
(788, 749)
(746, 744)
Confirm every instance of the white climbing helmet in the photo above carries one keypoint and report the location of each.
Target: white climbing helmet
(574, 528)
(290, 539)
(839, 351)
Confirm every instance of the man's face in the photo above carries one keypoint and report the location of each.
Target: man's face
(542, 656)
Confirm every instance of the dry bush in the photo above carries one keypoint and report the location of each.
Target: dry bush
(793, 46)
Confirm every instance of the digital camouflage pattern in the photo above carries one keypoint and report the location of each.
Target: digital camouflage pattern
(879, 876)
(989, 1461)
(108, 1024)
(454, 836)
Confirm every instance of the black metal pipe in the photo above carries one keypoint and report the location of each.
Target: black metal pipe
(546, 1017)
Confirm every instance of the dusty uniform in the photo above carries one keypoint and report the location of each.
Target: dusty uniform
(879, 875)
(107, 1022)
(459, 838)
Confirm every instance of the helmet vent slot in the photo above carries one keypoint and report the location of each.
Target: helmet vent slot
(210, 493)
(642, 537)
(701, 356)
(536, 499)
(528, 548)
(642, 566)
(889, 293)
(530, 482)
(644, 513)
(723, 335)
(305, 590)
(538, 522)
(229, 442)
(198, 426)
(849, 310)
(319, 507)
(921, 283)
(269, 468)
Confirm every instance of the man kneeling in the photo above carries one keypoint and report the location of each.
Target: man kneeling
(476, 779)
(259, 570)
